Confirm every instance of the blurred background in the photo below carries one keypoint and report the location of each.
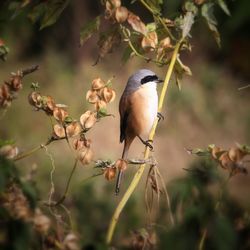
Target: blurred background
(210, 108)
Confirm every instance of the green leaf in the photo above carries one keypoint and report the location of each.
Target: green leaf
(198, 152)
(4, 50)
(207, 13)
(127, 53)
(187, 23)
(6, 142)
(180, 69)
(102, 112)
(151, 27)
(155, 5)
(178, 81)
(224, 7)
(37, 12)
(190, 6)
(89, 29)
(54, 9)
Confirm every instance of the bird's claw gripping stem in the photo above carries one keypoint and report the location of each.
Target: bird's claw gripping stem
(160, 117)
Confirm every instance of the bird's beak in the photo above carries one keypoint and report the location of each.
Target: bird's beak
(159, 81)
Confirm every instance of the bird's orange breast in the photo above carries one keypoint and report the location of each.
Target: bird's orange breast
(142, 105)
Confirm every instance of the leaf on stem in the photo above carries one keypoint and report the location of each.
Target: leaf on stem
(188, 21)
(89, 29)
(137, 24)
(54, 9)
(180, 69)
(223, 6)
(207, 13)
(108, 41)
(4, 50)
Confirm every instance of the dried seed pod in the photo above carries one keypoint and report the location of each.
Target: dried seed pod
(41, 222)
(215, 151)
(109, 173)
(121, 164)
(149, 41)
(88, 119)
(113, 4)
(49, 104)
(16, 82)
(73, 129)
(92, 96)
(165, 43)
(84, 117)
(9, 151)
(236, 154)
(71, 242)
(60, 114)
(87, 142)
(16, 203)
(78, 144)
(199, 2)
(225, 161)
(108, 94)
(121, 14)
(97, 84)
(100, 104)
(35, 99)
(59, 131)
(136, 23)
(5, 96)
(85, 156)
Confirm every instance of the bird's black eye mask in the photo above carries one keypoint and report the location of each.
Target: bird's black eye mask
(149, 79)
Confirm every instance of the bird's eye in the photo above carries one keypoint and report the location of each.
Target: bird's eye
(149, 78)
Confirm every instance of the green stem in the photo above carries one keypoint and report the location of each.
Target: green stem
(156, 14)
(140, 170)
(202, 241)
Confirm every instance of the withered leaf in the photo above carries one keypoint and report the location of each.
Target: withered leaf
(207, 13)
(54, 9)
(89, 29)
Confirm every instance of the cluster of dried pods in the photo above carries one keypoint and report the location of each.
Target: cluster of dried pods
(9, 89)
(149, 38)
(231, 159)
(18, 206)
(100, 94)
(111, 170)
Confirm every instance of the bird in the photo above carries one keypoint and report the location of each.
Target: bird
(138, 108)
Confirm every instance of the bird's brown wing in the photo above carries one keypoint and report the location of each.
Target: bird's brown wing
(124, 113)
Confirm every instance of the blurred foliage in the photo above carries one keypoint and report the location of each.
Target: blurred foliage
(200, 211)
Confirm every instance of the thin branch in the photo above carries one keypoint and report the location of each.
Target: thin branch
(140, 170)
(32, 151)
(29, 70)
(202, 241)
(61, 200)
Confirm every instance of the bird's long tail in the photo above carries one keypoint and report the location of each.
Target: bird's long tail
(120, 173)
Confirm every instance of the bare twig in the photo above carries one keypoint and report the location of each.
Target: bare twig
(29, 70)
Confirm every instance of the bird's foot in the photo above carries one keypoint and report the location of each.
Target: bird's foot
(160, 116)
(147, 143)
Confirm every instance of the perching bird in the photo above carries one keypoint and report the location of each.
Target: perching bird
(138, 110)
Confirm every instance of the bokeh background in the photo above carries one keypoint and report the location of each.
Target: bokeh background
(210, 108)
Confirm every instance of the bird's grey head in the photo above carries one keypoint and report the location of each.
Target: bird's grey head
(141, 77)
